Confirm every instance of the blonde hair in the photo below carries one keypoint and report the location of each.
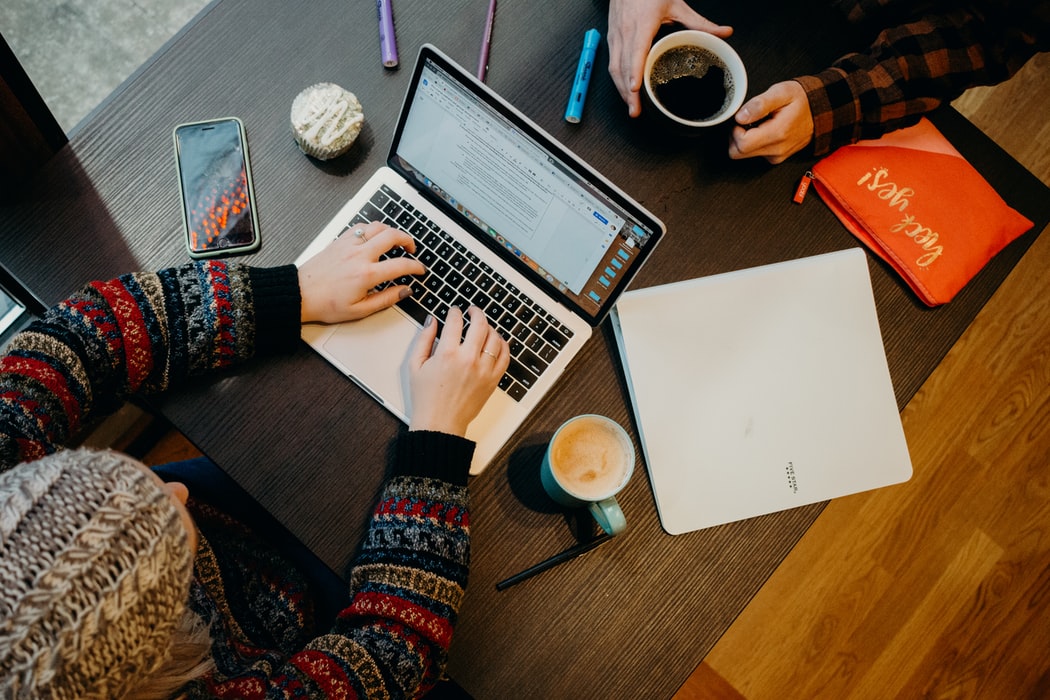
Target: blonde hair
(188, 658)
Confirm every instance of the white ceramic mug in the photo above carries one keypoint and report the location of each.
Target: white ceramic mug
(692, 68)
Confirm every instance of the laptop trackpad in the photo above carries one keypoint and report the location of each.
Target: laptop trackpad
(372, 351)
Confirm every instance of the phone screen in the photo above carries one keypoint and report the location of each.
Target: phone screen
(216, 187)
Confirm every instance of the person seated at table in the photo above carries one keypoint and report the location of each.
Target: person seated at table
(924, 56)
(109, 588)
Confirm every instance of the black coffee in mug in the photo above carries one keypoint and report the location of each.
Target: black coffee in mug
(692, 83)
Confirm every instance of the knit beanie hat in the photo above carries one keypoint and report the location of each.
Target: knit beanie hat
(95, 567)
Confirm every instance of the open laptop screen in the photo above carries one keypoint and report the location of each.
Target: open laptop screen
(499, 174)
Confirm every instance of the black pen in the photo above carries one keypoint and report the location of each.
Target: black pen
(570, 553)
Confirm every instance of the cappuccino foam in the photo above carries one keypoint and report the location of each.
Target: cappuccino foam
(589, 458)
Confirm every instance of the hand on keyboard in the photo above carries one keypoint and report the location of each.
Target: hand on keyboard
(458, 278)
(451, 381)
(350, 278)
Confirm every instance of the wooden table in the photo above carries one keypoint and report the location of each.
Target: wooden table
(632, 618)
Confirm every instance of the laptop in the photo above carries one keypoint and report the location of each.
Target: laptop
(505, 218)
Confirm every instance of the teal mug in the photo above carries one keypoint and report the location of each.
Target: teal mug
(588, 461)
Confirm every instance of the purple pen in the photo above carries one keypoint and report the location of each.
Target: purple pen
(486, 41)
(387, 37)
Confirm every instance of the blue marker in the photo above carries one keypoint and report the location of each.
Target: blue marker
(583, 76)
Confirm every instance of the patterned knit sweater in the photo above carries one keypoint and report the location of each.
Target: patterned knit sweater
(145, 332)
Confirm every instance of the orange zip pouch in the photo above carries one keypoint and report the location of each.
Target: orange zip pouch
(920, 206)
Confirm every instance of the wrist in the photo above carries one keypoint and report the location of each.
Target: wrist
(306, 311)
(438, 424)
(276, 303)
(435, 455)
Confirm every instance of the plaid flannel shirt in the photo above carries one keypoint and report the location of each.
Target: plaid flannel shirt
(938, 52)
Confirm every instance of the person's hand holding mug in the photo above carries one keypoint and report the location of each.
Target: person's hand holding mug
(787, 129)
(449, 383)
(632, 26)
(337, 284)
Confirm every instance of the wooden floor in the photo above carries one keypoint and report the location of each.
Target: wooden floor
(938, 588)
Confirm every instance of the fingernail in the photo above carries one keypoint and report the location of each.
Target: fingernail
(404, 293)
(428, 322)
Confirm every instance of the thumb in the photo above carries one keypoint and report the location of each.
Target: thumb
(691, 19)
(377, 301)
(753, 110)
(423, 344)
(761, 106)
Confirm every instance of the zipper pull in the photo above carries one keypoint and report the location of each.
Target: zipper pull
(803, 187)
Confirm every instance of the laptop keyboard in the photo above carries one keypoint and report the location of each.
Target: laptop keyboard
(457, 277)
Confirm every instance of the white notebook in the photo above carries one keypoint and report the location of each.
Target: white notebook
(760, 390)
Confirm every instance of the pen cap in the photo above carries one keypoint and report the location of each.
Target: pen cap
(591, 40)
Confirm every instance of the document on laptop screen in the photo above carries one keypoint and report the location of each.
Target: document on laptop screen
(515, 191)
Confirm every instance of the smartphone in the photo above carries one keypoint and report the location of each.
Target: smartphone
(215, 181)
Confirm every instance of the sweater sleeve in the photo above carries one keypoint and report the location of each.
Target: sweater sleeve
(915, 67)
(137, 334)
(406, 587)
